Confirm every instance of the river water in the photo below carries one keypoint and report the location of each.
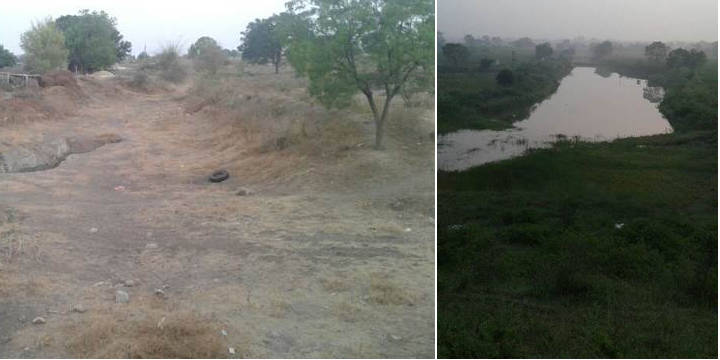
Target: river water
(588, 105)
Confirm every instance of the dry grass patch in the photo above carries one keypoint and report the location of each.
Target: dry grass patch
(335, 284)
(346, 311)
(385, 292)
(145, 328)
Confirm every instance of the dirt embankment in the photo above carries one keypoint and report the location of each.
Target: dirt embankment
(318, 247)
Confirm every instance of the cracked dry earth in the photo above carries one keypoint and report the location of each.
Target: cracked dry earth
(319, 261)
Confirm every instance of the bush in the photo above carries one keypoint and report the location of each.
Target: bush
(44, 47)
(209, 59)
(169, 63)
(505, 77)
(6, 58)
(140, 80)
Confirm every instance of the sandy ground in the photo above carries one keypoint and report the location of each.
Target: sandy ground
(327, 257)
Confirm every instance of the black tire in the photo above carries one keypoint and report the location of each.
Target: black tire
(218, 176)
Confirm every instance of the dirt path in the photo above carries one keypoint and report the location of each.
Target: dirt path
(288, 271)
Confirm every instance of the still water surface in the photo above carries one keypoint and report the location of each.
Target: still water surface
(586, 105)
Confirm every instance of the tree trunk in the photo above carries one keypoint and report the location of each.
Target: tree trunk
(379, 117)
(277, 66)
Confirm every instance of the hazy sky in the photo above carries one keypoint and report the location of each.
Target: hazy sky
(666, 20)
(145, 22)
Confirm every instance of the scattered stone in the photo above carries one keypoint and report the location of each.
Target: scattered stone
(122, 297)
(408, 229)
(395, 337)
(78, 308)
(619, 226)
(26, 349)
(119, 188)
(38, 320)
(149, 234)
(93, 230)
(151, 246)
(99, 283)
(243, 192)
(223, 332)
(129, 283)
(160, 293)
(231, 351)
(161, 322)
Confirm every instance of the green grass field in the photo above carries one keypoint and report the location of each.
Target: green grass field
(587, 249)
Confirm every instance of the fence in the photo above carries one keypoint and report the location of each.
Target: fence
(24, 79)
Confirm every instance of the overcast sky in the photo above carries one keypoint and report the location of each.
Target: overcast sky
(642, 20)
(145, 22)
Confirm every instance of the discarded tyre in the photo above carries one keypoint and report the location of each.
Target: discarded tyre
(218, 176)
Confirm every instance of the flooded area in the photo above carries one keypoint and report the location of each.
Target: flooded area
(588, 105)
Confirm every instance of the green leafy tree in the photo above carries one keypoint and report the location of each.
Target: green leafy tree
(567, 53)
(657, 51)
(543, 51)
(263, 40)
(486, 63)
(602, 49)
(44, 47)
(6, 57)
(365, 46)
(681, 57)
(524, 42)
(143, 55)
(469, 40)
(456, 53)
(93, 40)
(201, 44)
(505, 77)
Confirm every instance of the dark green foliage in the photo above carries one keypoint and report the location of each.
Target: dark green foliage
(681, 57)
(143, 55)
(264, 40)
(523, 43)
(495, 99)
(691, 101)
(456, 53)
(602, 50)
(543, 51)
(93, 40)
(6, 58)
(505, 77)
(657, 51)
(485, 64)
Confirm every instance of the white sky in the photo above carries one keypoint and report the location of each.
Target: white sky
(632, 20)
(145, 22)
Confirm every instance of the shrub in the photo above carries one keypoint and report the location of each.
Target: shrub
(44, 47)
(209, 59)
(6, 57)
(505, 77)
(169, 63)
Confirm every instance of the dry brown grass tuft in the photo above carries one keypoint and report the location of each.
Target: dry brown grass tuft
(145, 329)
(335, 284)
(346, 311)
(385, 292)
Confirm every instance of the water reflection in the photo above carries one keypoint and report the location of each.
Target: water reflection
(587, 105)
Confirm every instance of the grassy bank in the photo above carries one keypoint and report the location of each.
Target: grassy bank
(588, 249)
(469, 98)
